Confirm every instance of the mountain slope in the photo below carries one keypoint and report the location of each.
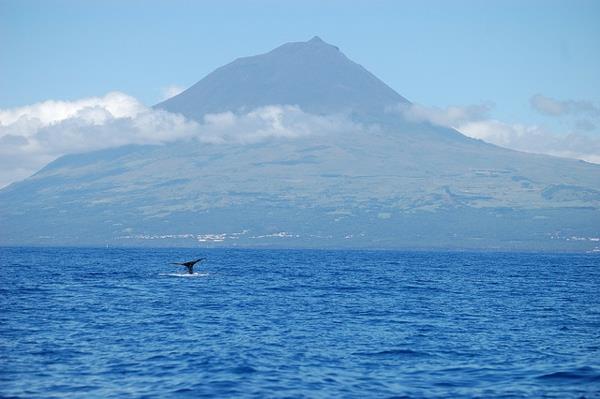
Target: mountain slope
(378, 182)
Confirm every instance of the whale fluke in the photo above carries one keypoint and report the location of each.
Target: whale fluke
(190, 264)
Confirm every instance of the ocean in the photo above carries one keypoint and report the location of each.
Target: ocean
(116, 323)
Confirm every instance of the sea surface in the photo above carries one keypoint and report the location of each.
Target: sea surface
(124, 323)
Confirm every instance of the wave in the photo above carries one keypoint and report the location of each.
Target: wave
(243, 370)
(580, 374)
(395, 352)
(185, 274)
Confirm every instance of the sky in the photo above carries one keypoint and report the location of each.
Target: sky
(523, 74)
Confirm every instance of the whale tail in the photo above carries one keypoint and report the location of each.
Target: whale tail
(189, 265)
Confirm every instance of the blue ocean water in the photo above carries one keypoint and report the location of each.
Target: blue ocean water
(106, 323)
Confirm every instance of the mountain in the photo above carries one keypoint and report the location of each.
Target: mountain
(314, 75)
(359, 176)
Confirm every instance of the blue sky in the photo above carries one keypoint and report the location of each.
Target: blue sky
(496, 54)
(432, 52)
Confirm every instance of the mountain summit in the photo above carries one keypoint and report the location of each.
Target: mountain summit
(314, 75)
(360, 178)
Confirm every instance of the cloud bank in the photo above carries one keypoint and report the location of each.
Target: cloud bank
(34, 135)
(475, 121)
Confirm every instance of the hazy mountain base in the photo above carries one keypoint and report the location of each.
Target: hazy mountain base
(357, 191)
(285, 227)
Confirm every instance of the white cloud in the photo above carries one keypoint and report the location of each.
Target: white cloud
(171, 91)
(450, 116)
(34, 135)
(553, 107)
(269, 122)
(535, 139)
(119, 105)
(474, 121)
(547, 105)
